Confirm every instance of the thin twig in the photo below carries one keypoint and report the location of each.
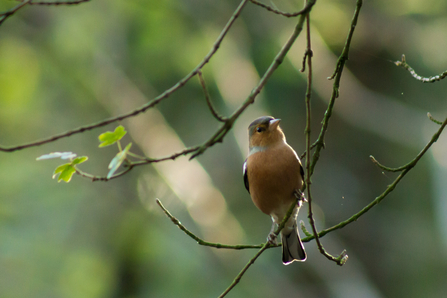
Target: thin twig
(305, 10)
(278, 60)
(101, 178)
(342, 258)
(335, 89)
(226, 127)
(433, 119)
(242, 272)
(132, 164)
(345, 54)
(388, 169)
(221, 132)
(6, 14)
(75, 2)
(431, 79)
(147, 106)
(265, 246)
(208, 101)
(199, 240)
(388, 190)
(401, 168)
(340, 225)
(262, 247)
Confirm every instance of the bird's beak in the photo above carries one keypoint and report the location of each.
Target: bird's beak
(273, 124)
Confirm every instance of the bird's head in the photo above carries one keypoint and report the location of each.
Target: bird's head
(265, 132)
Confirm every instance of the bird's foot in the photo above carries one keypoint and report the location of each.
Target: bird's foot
(272, 239)
(300, 196)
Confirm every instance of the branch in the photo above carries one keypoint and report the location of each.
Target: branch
(147, 106)
(208, 101)
(262, 247)
(8, 13)
(59, 2)
(215, 138)
(196, 238)
(343, 257)
(388, 190)
(265, 246)
(410, 164)
(319, 143)
(432, 79)
(304, 11)
(433, 119)
(399, 169)
(226, 127)
(251, 262)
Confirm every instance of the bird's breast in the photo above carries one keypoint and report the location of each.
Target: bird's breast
(274, 175)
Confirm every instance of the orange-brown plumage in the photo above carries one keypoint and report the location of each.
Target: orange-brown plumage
(274, 177)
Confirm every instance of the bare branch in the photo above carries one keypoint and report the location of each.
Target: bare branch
(147, 106)
(431, 79)
(305, 10)
(389, 189)
(343, 257)
(208, 101)
(385, 168)
(251, 262)
(319, 143)
(265, 246)
(199, 240)
(433, 119)
(75, 2)
(8, 13)
(226, 127)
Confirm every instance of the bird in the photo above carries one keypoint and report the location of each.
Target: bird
(274, 178)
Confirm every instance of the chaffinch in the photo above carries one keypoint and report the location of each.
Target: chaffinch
(273, 176)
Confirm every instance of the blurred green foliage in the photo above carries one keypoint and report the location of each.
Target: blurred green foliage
(61, 67)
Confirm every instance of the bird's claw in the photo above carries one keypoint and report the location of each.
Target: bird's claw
(272, 239)
(300, 195)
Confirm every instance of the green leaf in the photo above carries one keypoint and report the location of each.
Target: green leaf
(65, 172)
(109, 138)
(118, 160)
(79, 160)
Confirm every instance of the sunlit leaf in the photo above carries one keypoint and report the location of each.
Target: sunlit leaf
(62, 155)
(65, 172)
(109, 137)
(79, 160)
(118, 160)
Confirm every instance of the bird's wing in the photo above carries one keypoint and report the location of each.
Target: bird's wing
(245, 176)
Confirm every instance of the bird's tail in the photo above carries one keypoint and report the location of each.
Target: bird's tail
(292, 247)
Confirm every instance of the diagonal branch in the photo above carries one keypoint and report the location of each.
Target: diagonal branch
(147, 106)
(217, 136)
(388, 190)
(319, 143)
(8, 13)
(226, 127)
(251, 262)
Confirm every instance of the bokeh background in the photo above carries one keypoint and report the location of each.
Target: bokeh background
(64, 67)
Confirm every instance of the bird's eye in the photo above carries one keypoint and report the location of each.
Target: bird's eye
(260, 129)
